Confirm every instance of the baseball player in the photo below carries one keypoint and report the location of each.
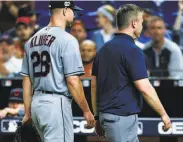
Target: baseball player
(52, 66)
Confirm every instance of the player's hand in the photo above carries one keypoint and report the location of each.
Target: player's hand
(166, 120)
(3, 114)
(90, 120)
(26, 119)
(99, 130)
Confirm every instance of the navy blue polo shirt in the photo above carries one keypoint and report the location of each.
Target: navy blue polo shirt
(116, 65)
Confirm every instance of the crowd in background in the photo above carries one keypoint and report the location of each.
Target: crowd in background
(162, 47)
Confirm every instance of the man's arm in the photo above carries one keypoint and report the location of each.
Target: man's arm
(94, 95)
(27, 87)
(178, 21)
(27, 95)
(73, 68)
(98, 129)
(3, 69)
(11, 111)
(151, 97)
(76, 89)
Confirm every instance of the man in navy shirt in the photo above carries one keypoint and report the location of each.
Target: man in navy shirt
(120, 81)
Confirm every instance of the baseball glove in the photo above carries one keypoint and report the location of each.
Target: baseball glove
(26, 133)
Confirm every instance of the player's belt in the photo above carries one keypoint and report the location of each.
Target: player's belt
(59, 93)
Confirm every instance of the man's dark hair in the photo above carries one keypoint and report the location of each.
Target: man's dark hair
(79, 22)
(125, 14)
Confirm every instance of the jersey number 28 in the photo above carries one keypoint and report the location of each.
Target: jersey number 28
(43, 60)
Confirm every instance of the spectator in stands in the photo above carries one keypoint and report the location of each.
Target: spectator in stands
(144, 37)
(9, 64)
(78, 31)
(88, 51)
(15, 104)
(8, 14)
(177, 27)
(26, 11)
(165, 58)
(24, 32)
(105, 20)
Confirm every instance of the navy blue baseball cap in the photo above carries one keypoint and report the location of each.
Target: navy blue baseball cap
(64, 4)
(16, 95)
(6, 38)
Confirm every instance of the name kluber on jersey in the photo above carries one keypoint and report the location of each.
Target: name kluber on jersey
(40, 40)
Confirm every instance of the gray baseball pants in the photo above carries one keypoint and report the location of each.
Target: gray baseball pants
(52, 117)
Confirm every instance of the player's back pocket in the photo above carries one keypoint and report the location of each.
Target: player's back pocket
(45, 102)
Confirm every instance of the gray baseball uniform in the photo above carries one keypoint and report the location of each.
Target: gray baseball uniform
(51, 55)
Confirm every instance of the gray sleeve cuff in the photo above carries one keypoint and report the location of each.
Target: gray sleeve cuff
(24, 74)
(79, 73)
